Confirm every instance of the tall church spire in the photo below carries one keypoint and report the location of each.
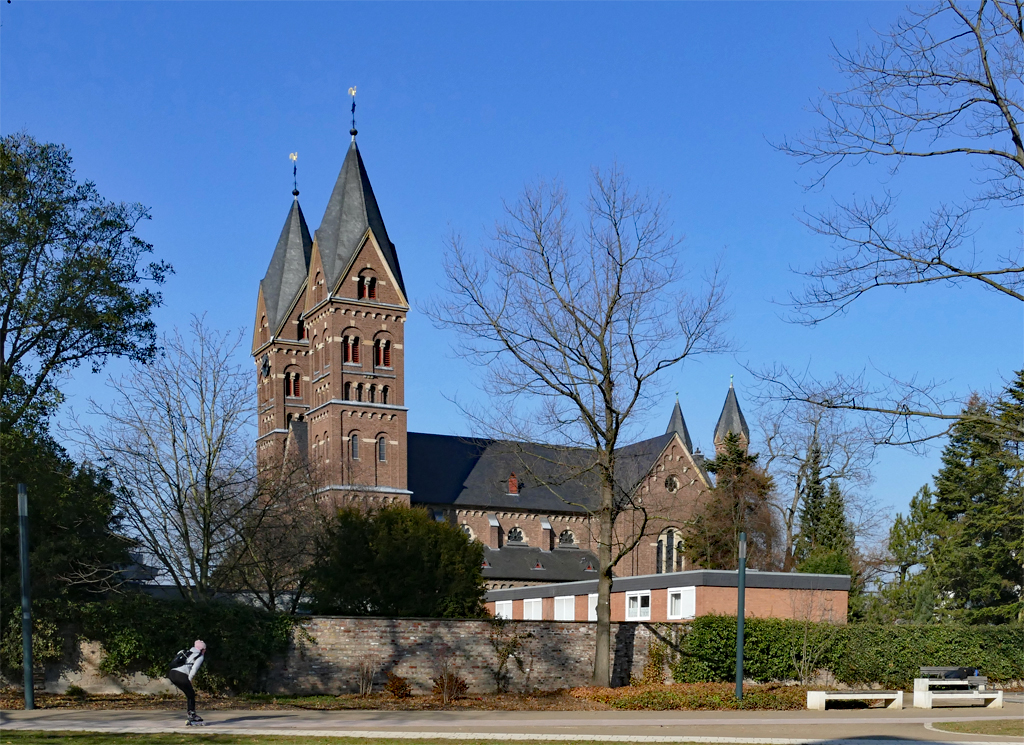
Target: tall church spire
(351, 211)
(677, 424)
(288, 268)
(731, 420)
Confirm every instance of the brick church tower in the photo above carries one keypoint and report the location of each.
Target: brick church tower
(329, 347)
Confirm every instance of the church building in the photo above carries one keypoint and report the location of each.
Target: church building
(329, 350)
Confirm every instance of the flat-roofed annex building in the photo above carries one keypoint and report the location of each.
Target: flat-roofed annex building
(681, 596)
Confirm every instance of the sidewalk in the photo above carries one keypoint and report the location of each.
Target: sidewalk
(767, 728)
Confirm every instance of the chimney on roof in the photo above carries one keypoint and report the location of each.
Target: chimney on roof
(497, 534)
(548, 535)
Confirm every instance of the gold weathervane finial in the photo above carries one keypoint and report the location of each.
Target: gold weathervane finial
(352, 91)
(294, 157)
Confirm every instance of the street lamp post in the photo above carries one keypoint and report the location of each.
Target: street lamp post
(741, 591)
(26, 599)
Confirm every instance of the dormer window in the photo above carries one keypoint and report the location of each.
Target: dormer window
(513, 488)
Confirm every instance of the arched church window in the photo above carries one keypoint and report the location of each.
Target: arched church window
(386, 353)
(361, 288)
(672, 484)
(384, 394)
(354, 445)
(263, 328)
(355, 349)
(467, 530)
(300, 331)
(566, 538)
(382, 449)
(516, 535)
(373, 394)
(348, 391)
(671, 554)
(371, 288)
(316, 353)
(359, 392)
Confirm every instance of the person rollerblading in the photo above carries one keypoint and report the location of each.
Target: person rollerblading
(184, 667)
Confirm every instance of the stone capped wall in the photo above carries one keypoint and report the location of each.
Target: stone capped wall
(326, 653)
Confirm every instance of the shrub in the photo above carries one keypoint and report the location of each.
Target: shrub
(448, 684)
(397, 686)
(697, 696)
(855, 654)
(47, 643)
(140, 633)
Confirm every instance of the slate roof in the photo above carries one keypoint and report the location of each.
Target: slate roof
(521, 563)
(678, 425)
(289, 267)
(474, 472)
(352, 209)
(731, 419)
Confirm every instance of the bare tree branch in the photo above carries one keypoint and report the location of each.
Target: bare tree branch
(941, 82)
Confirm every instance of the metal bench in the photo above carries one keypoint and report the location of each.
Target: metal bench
(816, 699)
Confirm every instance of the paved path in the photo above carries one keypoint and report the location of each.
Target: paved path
(877, 726)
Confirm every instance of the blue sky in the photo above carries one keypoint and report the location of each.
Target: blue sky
(192, 109)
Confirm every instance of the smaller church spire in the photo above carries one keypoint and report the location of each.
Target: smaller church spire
(731, 420)
(677, 424)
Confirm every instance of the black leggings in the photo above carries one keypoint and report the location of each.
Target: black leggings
(182, 682)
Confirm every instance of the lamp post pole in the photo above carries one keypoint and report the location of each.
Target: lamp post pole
(741, 591)
(26, 599)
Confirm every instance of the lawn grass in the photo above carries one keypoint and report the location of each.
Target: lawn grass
(1007, 727)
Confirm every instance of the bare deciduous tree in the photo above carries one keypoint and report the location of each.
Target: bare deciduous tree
(574, 327)
(944, 82)
(279, 539)
(177, 445)
(789, 428)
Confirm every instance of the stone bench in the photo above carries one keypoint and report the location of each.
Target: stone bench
(816, 699)
(926, 699)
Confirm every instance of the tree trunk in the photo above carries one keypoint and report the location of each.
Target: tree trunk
(602, 647)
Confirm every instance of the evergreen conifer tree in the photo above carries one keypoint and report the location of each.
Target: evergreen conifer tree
(738, 503)
(812, 502)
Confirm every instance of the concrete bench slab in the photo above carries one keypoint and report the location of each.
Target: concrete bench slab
(927, 699)
(816, 699)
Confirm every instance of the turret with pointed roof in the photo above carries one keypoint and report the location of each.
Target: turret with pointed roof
(351, 211)
(731, 420)
(288, 268)
(677, 424)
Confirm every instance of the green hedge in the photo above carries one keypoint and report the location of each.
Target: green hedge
(856, 654)
(140, 633)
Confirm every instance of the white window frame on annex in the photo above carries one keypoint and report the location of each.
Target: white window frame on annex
(533, 609)
(639, 596)
(592, 606)
(687, 602)
(565, 607)
(503, 609)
